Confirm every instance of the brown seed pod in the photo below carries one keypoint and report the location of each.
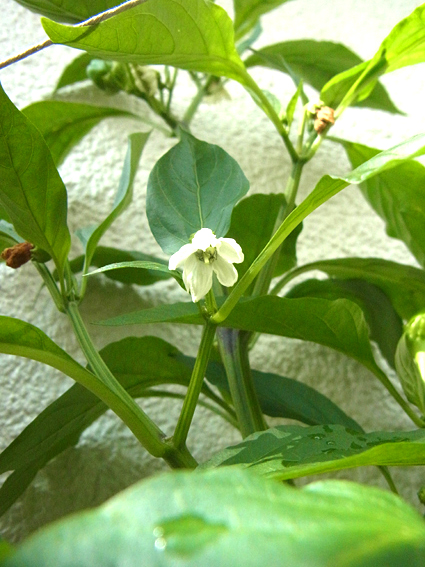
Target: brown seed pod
(324, 117)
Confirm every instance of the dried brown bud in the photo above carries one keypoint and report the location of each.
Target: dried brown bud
(17, 255)
(324, 117)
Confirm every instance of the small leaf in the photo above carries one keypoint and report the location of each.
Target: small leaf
(189, 34)
(71, 11)
(253, 221)
(64, 124)
(8, 236)
(292, 451)
(248, 13)
(397, 196)
(75, 72)
(384, 323)
(194, 185)
(292, 104)
(31, 190)
(233, 518)
(153, 266)
(136, 143)
(317, 62)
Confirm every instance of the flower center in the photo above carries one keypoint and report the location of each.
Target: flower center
(207, 256)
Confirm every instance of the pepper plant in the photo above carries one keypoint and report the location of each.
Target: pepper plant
(235, 256)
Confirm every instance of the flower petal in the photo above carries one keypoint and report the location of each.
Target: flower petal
(198, 280)
(203, 239)
(226, 272)
(230, 250)
(179, 257)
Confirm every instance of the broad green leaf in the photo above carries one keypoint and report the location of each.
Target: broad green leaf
(317, 62)
(136, 143)
(31, 190)
(384, 323)
(194, 185)
(404, 285)
(75, 72)
(292, 451)
(397, 196)
(189, 34)
(104, 256)
(233, 518)
(64, 124)
(248, 13)
(253, 221)
(405, 45)
(152, 266)
(71, 11)
(283, 397)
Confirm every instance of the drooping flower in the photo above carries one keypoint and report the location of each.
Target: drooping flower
(203, 256)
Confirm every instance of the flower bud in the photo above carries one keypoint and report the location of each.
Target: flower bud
(109, 76)
(410, 361)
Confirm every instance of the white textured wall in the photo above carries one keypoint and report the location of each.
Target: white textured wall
(108, 458)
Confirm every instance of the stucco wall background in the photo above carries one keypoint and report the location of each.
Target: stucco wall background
(108, 458)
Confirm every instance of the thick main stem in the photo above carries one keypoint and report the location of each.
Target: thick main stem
(232, 344)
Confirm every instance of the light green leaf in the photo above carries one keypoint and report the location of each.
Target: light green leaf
(90, 238)
(292, 451)
(194, 185)
(8, 236)
(397, 196)
(248, 13)
(404, 285)
(317, 62)
(71, 11)
(153, 266)
(383, 321)
(64, 124)
(405, 45)
(189, 34)
(75, 72)
(31, 190)
(233, 518)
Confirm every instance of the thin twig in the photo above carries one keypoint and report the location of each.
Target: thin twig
(90, 22)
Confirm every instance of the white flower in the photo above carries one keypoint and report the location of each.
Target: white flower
(203, 256)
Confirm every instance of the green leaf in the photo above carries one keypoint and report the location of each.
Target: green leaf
(397, 196)
(405, 45)
(292, 451)
(248, 13)
(91, 237)
(189, 34)
(194, 185)
(75, 72)
(8, 236)
(404, 285)
(233, 518)
(284, 397)
(71, 11)
(64, 124)
(31, 190)
(104, 256)
(384, 323)
(292, 104)
(317, 62)
(252, 224)
(152, 266)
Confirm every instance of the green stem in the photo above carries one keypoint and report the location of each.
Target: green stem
(196, 101)
(232, 344)
(50, 283)
(195, 387)
(146, 431)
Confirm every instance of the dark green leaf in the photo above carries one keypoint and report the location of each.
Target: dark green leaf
(104, 256)
(31, 190)
(233, 518)
(283, 397)
(384, 323)
(64, 124)
(404, 285)
(71, 11)
(253, 221)
(397, 196)
(405, 45)
(91, 237)
(248, 13)
(75, 72)
(190, 34)
(194, 185)
(292, 451)
(317, 62)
